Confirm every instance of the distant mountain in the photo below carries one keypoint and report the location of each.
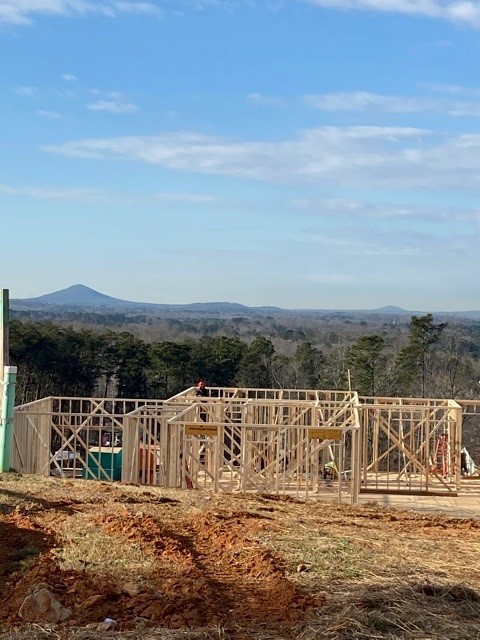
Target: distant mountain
(390, 309)
(470, 315)
(77, 295)
(81, 296)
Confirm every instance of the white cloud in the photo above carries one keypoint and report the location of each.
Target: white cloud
(24, 12)
(407, 251)
(113, 106)
(465, 109)
(453, 89)
(146, 8)
(188, 198)
(466, 11)
(68, 94)
(69, 77)
(370, 240)
(275, 5)
(376, 213)
(26, 91)
(11, 14)
(267, 101)
(363, 100)
(337, 206)
(87, 195)
(201, 5)
(115, 95)
(399, 157)
(46, 193)
(48, 114)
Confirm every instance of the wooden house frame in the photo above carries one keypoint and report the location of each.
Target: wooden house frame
(271, 441)
(411, 445)
(302, 443)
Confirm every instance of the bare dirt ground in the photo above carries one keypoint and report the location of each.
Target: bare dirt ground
(188, 564)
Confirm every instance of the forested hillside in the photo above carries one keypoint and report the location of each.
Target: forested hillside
(94, 355)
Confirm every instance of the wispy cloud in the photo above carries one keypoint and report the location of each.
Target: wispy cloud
(363, 100)
(441, 219)
(29, 92)
(202, 5)
(450, 89)
(23, 12)
(113, 106)
(68, 94)
(459, 11)
(267, 101)
(87, 195)
(400, 157)
(189, 198)
(465, 109)
(357, 208)
(48, 193)
(371, 241)
(407, 251)
(110, 101)
(145, 8)
(48, 114)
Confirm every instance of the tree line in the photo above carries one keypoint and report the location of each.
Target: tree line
(429, 359)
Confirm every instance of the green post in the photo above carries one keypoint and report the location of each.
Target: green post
(4, 330)
(8, 378)
(7, 416)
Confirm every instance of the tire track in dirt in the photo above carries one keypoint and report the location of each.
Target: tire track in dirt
(210, 571)
(252, 577)
(207, 570)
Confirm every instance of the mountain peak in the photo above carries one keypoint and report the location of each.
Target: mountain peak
(77, 294)
(391, 309)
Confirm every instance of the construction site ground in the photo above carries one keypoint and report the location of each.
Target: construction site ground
(178, 564)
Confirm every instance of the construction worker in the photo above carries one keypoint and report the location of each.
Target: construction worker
(329, 471)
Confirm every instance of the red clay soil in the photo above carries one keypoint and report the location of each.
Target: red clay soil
(208, 571)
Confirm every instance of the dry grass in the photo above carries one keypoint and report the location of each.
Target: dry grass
(375, 574)
(85, 546)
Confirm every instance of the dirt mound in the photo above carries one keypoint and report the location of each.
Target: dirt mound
(206, 571)
(189, 564)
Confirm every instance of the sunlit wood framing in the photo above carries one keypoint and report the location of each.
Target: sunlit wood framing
(284, 441)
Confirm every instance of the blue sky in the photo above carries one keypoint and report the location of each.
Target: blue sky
(298, 153)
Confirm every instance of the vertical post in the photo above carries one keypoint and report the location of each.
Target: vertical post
(426, 439)
(341, 466)
(356, 455)
(355, 477)
(4, 340)
(455, 423)
(4, 362)
(4, 331)
(6, 422)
